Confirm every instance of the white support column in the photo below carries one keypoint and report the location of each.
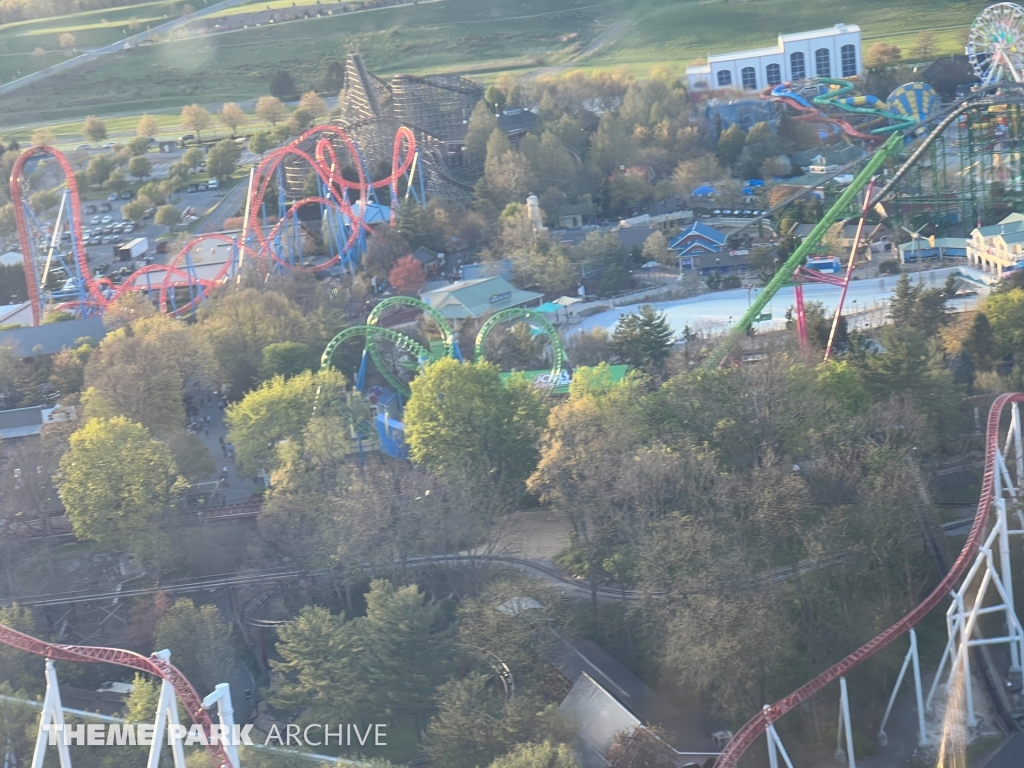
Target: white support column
(772, 738)
(1018, 443)
(166, 714)
(846, 727)
(911, 659)
(922, 736)
(221, 696)
(52, 716)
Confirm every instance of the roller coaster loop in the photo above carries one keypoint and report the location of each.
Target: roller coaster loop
(451, 344)
(372, 333)
(558, 358)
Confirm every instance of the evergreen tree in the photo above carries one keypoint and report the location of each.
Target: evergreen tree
(282, 85)
(981, 342)
(643, 339)
(730, 145)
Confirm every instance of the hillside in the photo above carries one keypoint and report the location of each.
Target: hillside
(475, 37)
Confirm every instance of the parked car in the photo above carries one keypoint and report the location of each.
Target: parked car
(84, 147)
(107, 219)
(212, 184)
(150, 213)
(107, 239)
(128, 228)
(112, 197)
(90, 208)
(94, 220)
(202, 186)
(104, 207)
(193, 187)
(127, 195)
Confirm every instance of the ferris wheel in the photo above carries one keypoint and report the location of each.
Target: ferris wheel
(995, 44)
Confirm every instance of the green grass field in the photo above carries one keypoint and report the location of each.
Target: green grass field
(479, 38)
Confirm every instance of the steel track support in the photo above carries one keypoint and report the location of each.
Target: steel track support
(845, 728)
(910, 660)
(221, 696)
(166, 716)
(775, 747)
(51, 719)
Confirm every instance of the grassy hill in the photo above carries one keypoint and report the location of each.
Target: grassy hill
(475, 37)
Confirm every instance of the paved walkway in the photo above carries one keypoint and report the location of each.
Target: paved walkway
(239, 487)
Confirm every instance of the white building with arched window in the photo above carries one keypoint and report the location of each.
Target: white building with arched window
(832, 52)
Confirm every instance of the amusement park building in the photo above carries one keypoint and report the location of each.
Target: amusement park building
(999, 247)
(832, 52)
(478, 298)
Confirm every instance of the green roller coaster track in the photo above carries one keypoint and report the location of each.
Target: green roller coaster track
(371, 333)
(558, 358)
(447, 334)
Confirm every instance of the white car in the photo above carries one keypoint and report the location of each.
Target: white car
(107, 219)
(211, 184)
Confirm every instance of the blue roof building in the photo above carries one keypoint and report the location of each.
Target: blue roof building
(696, 239)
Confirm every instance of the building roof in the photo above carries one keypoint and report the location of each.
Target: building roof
(424, 256)
(633, 237)
(1005, 227)
(699, 230)
(16, 314)
(11, 258)
(597, 716)
(1012, 237)
(689, 732)
(720, 259)
(515, 120)
(477, 298)
(52, 338)
(21, 422)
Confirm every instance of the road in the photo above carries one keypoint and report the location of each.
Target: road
(120, 45)
(228, 207)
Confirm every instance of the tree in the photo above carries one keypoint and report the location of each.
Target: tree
(135, 211)
(881, 55)
(139, 167)
(117, 181)
(730, 145)
(302, 119)
(384, 250)
(199, 640)
(282, 86)
(914, 306)
(94, 129)
(196, 118)
(43, 137)
(1005, 312)
(193, 158)
(148, 126)
(924, 45)
(67, 42)
(546, 755)
(495, 98)
(19, 668)
(116, 482)
(464, 419)
(260, 143)
(287, 358)
(222, 159)
(241, 323)
(232, 117)
(319, 669)
(507, 176)
(44, 200)
(138, 146)
(690, 174)
(314, 104)
(334, 77)
(100, 168)
(981, 342)
(278, 410)
(271, 109)
(482, 123)
(167, 216)
(656, 249)
(643, 339)
(408, 275)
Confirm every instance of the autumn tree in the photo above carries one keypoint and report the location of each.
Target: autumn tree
(195, 118)
(924, 45)
(882, 55)
(408, 275)
(507, 175)
(278, 410)
(116, 483)
(94, 129)
(42, 137)
(232, 117)
(167, 216)
(462, 418)
(730, 145)
(482, 123)
(383, 251)
(66, 41)
(148, 126)
(314, 104)
(271, 109)
(260, 143)
(222, 159)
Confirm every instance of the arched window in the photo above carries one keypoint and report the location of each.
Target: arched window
(797, 69)
(724, 78)
(749, 78)
(822, 65)
(848, 56)
(773, 74)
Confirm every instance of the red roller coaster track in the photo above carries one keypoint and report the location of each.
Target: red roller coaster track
(324, 161)
(746, 736)
(91, 655)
